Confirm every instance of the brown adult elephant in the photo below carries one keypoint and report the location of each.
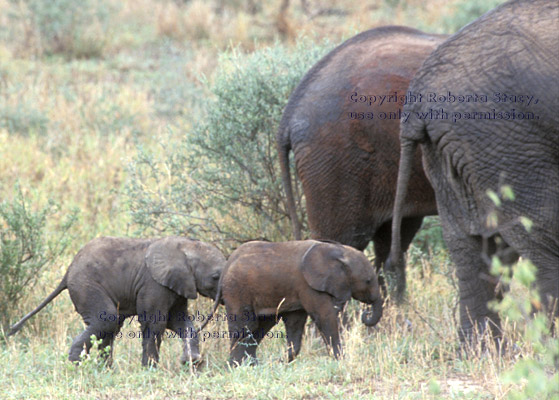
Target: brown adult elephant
(498, 83)
(342, 123)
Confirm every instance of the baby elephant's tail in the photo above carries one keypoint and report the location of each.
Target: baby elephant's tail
(15, 328)
(216, 304)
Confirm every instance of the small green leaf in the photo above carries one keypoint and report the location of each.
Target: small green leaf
(494, 197)
(507, 192)
(525, 273)
(527, 223)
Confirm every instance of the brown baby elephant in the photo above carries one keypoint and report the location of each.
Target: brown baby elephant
(264, 282)
(112, 278)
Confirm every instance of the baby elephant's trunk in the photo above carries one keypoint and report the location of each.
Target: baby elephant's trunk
(372, 317)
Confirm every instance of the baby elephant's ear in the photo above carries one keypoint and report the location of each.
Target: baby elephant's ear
(325, 272)
(169, 267)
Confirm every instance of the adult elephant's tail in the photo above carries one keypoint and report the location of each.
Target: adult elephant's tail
(61, 286)
(284, 145)
(395, 263)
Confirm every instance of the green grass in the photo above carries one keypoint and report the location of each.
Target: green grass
(412, 354)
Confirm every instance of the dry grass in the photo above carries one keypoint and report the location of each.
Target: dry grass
(411, 354)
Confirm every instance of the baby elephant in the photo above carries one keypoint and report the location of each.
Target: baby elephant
(111, 279)
(263, 282)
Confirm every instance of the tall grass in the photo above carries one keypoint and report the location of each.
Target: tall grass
(412, 353)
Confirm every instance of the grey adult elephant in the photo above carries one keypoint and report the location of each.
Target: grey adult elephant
(489, 119)
(342, 123)
(111, 279)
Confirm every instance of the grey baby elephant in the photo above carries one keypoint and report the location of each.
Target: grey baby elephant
(112, 278)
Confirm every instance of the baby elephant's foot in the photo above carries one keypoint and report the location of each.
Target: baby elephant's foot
(247, 360)
(193, 357)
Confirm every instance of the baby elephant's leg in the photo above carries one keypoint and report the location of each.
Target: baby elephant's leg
(104, 323)
(327, 323)
(184, 328)
(79, 341)
(265, 323)
(294, 328)
(107, 345)
(243, 341)
(152, 333)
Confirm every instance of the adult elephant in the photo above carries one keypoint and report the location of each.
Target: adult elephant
(342, 123)
(497, 83)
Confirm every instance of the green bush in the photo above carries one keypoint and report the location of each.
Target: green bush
(76, 29)
(223, 179)
(538, 375)
(25, 248)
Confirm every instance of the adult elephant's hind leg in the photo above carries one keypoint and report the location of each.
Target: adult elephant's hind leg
(382, 241)
(381, 244)
(542, 249)
(476, 288)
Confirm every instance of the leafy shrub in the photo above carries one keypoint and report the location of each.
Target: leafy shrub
(538, 375)
(223, 179)
(76, 29)
(25, 248)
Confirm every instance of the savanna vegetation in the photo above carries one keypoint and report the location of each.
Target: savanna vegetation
(157, 117)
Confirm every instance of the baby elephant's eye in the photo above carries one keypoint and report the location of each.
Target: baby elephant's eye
(368, 281)
(215, 277)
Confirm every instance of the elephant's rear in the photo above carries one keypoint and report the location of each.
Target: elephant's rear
(498, 84)
(345, 149)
